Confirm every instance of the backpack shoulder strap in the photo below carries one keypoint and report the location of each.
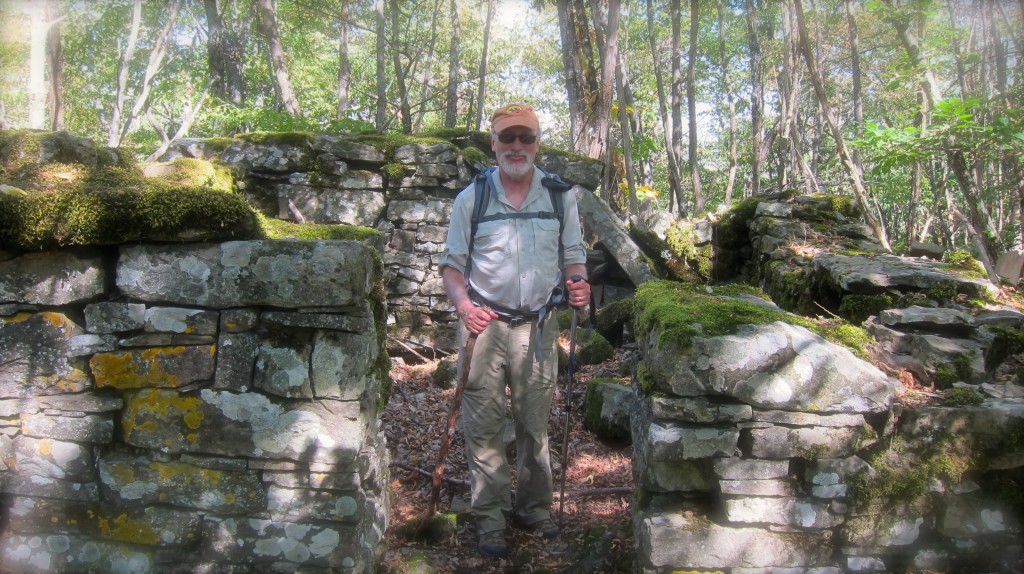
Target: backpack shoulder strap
(482, 184)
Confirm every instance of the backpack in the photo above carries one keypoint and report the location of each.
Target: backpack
(484, 188)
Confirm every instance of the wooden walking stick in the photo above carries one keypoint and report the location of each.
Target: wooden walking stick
(568, 406)
(446, 440)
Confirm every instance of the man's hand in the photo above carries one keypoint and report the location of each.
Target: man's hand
(579, 291)
(477, 318)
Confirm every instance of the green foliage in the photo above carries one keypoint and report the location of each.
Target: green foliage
(962, 397)
(963, 262)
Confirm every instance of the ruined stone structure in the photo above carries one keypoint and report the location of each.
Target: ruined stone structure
(761, 447)
(213, 406)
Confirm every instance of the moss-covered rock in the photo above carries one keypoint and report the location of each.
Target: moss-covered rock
(593, 348)
(606, 407)
(613, 318)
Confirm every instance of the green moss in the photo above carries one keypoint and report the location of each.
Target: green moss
(1005, 344)
(961, 397)
(474, 156)
(280, 229)
(644, 381)
(899, 480)
(612, 319)
(945, 291)
(396, 171)
(944, 377)
(118, 205)
(593, 348)
(388, 143)
(857, 308)
(681, 312)
(200, 173)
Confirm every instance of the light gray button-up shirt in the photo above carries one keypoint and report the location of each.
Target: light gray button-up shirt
(515, 261)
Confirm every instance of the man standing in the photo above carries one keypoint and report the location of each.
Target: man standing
(502, 280)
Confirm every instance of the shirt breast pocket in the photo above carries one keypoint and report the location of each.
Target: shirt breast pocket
(545, 236)
(491, 238)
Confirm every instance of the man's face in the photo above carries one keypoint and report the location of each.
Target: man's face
(515, 157)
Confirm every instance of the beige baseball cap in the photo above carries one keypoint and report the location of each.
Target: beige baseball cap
(514, 115)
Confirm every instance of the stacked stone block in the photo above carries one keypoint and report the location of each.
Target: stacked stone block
(192, 408)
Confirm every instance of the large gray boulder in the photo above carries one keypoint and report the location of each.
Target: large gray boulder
(773, 366)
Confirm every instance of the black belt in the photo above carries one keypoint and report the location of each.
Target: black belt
(515, 320)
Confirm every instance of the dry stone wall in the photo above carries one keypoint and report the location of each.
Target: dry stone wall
(207, 407)
(770, 450)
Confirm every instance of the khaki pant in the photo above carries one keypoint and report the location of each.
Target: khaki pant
(504, 356)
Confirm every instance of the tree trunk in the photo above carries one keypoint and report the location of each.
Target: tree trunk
(756, 98)
(156, 59)
(37, 92)
(577, 86)
(731, 99)
(278, 62)
(405, 110)
(451, 104)
(676, 99)
(428, 77)
(344, 65)
(691, 106)
(627, 136)
(114, 128)
(674, 189)
(481, 87)
(851, 169)
(224, 57)
(600, 145)
(55, 65)
(382, 88)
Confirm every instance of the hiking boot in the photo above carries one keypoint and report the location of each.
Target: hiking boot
(493, 543)
(545, 527)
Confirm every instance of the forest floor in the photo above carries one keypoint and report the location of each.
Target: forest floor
(596, 534)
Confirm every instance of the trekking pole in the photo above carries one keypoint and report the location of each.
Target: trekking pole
(568, 405)
(446, 439)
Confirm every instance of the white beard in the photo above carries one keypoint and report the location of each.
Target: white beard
(515, 169)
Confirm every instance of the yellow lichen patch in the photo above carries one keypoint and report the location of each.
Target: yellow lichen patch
(45, 447)
(126, 529)
(191, 438)
(181, 473)
(19, 318)
(57, 320)
(135, 370)
(193, 419)
(160, 405)
(122, 473)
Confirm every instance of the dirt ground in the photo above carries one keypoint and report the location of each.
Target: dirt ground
(596, 532)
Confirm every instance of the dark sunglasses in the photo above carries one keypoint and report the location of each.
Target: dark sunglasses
(527, 139)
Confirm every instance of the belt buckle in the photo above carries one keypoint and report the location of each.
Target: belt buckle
(516, 321)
